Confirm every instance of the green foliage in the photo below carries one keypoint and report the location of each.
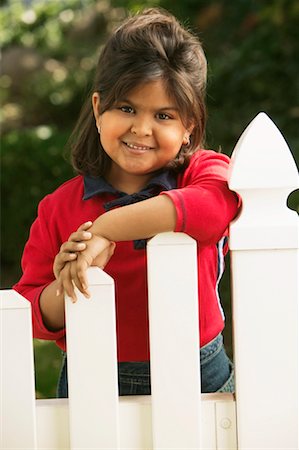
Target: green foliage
(32, 166)
(134, 5)
(43, 25)
(49, 54)
(48, 359)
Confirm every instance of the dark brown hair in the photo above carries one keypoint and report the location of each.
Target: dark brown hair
(148, 46)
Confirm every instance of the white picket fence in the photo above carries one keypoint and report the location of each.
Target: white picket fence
(264, 412)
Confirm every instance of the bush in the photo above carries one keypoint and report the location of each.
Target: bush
(32, 166)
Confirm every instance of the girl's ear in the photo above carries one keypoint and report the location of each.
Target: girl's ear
(96, 109)
(186, 140)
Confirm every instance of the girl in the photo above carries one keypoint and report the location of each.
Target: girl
(138, 150)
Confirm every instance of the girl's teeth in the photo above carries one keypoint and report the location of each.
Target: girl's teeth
(135, 147)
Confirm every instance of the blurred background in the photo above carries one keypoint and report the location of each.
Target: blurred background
(49, 51)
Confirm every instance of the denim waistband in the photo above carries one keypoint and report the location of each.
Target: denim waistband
(211, 349)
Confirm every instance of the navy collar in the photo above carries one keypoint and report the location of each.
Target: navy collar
(98, 185)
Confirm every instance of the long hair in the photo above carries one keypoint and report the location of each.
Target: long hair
(148, 46)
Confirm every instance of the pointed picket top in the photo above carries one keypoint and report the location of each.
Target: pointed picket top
(262, 159)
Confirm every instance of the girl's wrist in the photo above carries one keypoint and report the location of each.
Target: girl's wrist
(100, 228)
(97, 243)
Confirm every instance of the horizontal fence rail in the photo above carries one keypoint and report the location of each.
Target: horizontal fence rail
(265, 265)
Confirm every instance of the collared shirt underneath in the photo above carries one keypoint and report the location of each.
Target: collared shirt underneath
(163, 181)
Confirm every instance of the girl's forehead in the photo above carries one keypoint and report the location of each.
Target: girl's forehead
(153, 90)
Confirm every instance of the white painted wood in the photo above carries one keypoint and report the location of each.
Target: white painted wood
(264, 173)
(174, 341)
(226, 427)
(265, 268)
(17, 390)
(135, 422)
(92, 366)
(52, 418)
(208, 428)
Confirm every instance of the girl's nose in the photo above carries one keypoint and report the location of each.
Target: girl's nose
(141, 127)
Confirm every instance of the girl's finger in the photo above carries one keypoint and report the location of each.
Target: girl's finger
(79, 236)
(60, 261)
(67, 284)
(59, 290)
(66, 257)
(81, 268)
(85, 226)
(77, 281)
(72, 247)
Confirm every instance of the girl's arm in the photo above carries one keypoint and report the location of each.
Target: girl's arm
(52, 307)
(38, 279)
(145, 219)
(51, 300)
(137, 221)
(202, 208)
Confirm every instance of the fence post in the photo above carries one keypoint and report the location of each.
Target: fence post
(17, 393)
(265, 267)
(92, 366)
(174, 341)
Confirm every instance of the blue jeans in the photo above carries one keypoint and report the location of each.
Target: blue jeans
(217, 373)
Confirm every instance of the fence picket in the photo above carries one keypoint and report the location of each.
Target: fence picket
(17, 399)
(265, 268)
(92, 366)
(174, 341)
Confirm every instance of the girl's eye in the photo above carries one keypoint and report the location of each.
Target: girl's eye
(163, 116)
(126, 109)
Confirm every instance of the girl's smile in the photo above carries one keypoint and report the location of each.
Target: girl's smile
(137, 148)
(141, 134)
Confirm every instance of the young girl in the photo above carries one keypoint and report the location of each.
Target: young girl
(138, 150)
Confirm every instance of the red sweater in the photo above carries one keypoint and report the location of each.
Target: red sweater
(204, 207)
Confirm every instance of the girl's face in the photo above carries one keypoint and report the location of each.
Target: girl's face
(142, 133)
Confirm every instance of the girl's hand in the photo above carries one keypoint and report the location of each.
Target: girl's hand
(69, 250)
(97, 253)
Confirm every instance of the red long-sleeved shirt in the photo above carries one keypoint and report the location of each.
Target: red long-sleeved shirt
(204, 207)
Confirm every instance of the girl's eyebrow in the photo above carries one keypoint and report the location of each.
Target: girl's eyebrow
(163, 108)
(169, 108)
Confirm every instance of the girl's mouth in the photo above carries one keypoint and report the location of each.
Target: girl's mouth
(137, 147)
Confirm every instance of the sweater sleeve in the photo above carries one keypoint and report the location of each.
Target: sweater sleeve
(37, 266)
(204, 204)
